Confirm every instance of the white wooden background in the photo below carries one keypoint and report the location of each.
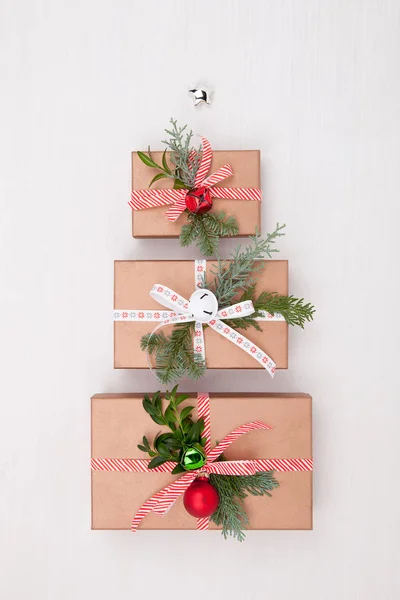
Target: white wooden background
(315, 85)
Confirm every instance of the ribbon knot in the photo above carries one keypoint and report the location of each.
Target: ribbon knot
(150, 198)
(182, 313)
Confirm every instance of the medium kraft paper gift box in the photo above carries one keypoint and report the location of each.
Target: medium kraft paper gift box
(133, 281)
(119, 423)
(152, 222)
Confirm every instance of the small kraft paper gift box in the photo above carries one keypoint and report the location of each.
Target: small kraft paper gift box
(270, 433)
(241, 190)
(220, 343)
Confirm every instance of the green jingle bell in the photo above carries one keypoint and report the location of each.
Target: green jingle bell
(193, 457)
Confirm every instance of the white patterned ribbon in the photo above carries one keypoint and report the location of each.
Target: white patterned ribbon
(180, 313)
(199, 345)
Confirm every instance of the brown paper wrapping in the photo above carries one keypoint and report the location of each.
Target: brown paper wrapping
(134, 280)
(153, 223)
(119, 422)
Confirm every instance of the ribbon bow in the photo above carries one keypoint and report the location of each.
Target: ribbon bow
(162, 501)
(183, 314)
(141, 199)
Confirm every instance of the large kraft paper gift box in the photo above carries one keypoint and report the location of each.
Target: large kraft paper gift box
(132, 283)
(153, 223)
(119, 422)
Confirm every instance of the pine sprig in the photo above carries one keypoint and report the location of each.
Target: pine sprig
(206, 230)
(232, 491)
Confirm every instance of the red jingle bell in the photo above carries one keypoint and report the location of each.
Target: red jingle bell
(198, 200)
(201, 498)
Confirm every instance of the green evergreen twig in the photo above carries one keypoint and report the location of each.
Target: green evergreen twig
(174, 356)
(294, 310)
(237, 273)
(232, 490)
(185, 158)
(184, 170)
(206, 230)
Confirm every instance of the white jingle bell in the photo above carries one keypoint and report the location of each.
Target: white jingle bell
(203, 305)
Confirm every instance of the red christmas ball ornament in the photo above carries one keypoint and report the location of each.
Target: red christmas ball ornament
(201, 498)
(198, 200)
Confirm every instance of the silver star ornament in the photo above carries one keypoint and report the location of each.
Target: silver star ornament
(201, 95)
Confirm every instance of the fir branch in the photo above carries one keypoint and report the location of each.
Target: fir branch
(188, 232)
(236, 275)
(181, 336)
(206, 230)
(152, 341)
(174, 356)
(232, 490)
(220, 224)
(206, 239)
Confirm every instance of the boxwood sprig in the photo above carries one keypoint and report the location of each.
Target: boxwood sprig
(184, 431)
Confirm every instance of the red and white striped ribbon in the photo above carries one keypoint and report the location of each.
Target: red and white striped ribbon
(179, 312)
(203, 411)
(162, 501)
(205, 163)
(149, 198)
(140, 465)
